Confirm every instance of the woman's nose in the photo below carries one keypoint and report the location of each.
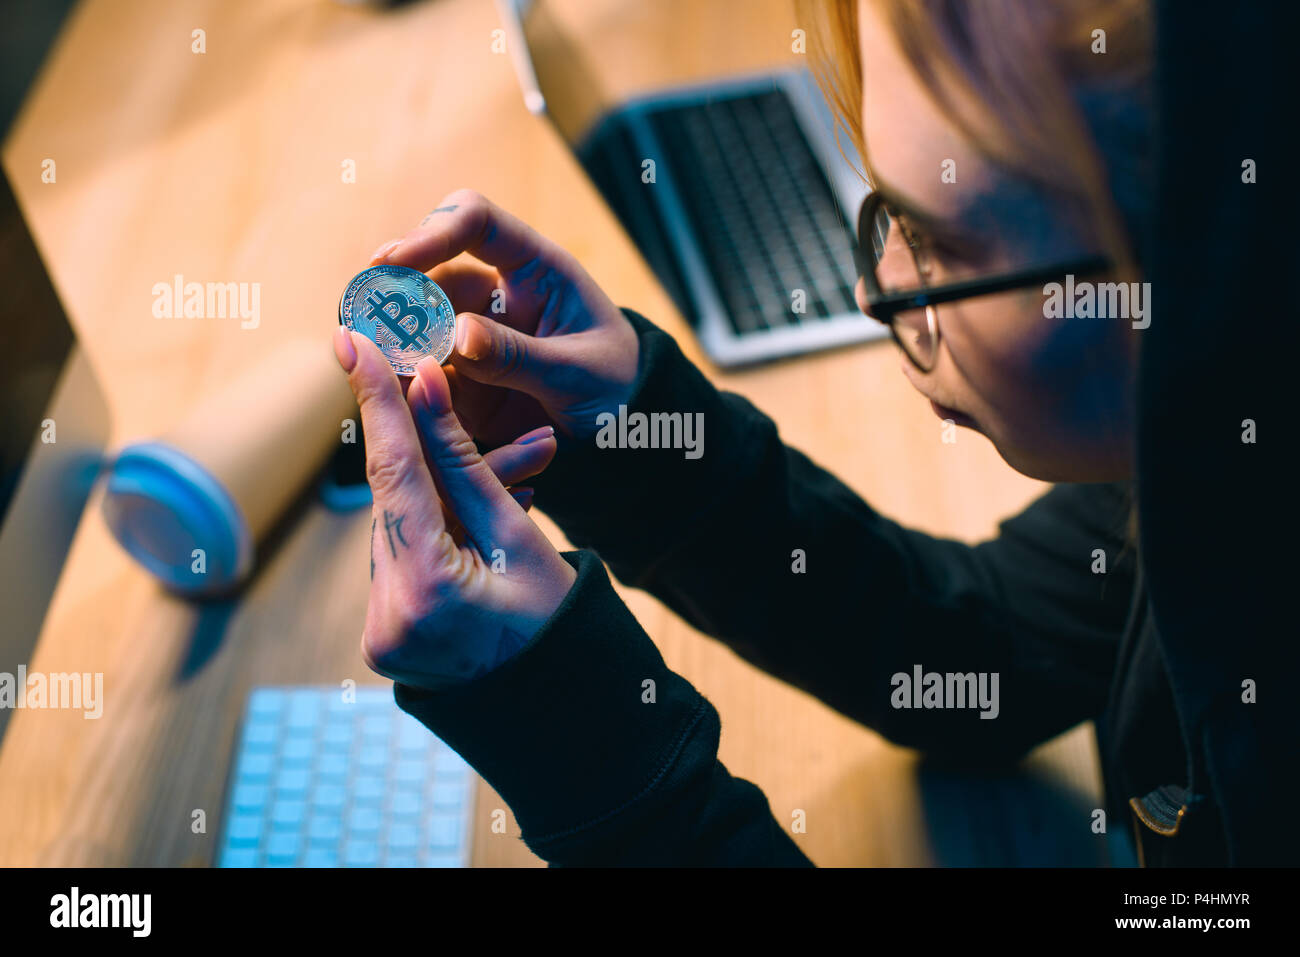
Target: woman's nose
(860, 296)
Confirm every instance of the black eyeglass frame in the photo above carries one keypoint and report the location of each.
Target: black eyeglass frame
(886, 306)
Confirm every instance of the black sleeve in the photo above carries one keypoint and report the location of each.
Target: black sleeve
(753, 543)
(605, 756)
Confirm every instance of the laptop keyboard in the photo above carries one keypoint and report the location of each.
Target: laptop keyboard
(756, 200)
(323, 782)
(760, 200)
(613, 161)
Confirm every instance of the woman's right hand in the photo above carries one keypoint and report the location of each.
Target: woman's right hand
(537, 341)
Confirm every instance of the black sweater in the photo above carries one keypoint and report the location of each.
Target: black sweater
(597, 773)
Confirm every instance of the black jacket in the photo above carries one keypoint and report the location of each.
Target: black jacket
(1181, 657)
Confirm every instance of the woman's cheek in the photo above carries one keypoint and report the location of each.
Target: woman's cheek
(992, 344)
(1003, 367)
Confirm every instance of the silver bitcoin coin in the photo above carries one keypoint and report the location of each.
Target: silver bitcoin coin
(403, 312)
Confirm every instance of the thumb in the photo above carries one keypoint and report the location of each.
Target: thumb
(494, 353)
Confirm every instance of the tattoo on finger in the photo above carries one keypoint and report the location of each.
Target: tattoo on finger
(440, 209)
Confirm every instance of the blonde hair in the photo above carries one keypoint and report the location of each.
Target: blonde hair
(1018, 60)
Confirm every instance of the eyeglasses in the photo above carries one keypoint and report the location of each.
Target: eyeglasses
(910, 311)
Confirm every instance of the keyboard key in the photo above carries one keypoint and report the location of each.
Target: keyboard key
(408, 771)
(365, 820)
(405, 804)
(292, 783)
(298, 751)
(337, 735)
(373, 758)
(324, 855)
(325, 827)
(250, 797)
(367, 790)
(266, 702)
(245, 830)
(286, 815)
(444, 831)
(333, 766)
(404, 837)
(329, 797)
(360, 854)
(239, 857)
(282, 848)
(261, 736)
(255, 768)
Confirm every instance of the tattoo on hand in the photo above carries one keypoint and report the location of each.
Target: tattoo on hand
(372, 548)
(394, 524)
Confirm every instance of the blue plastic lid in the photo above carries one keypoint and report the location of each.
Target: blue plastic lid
(162, 506)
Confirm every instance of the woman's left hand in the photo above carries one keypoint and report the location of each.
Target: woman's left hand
(444, 608)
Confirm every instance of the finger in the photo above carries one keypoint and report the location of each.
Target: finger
(463, 222)
(495, 354)
(476, 496)
(527, 456)
(395, 469)
(468, 283)
(475, 403)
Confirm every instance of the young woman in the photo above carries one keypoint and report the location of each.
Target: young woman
(1007, 147)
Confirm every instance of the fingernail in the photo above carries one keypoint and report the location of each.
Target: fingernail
(344, 350)
(385, 250)
(424, 378)
(472, 340)
(545, 432)
(415, 395)
(524, 496)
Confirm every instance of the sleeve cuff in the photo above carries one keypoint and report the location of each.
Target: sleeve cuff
(581, 724)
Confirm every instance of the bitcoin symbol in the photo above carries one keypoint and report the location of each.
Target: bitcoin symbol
(403, 312)
(409, 323)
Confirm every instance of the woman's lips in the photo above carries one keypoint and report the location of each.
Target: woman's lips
(960, 418)
(942, 411)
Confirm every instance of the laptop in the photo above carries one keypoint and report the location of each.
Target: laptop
(749, 221)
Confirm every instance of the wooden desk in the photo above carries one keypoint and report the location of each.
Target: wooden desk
(226, 165)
